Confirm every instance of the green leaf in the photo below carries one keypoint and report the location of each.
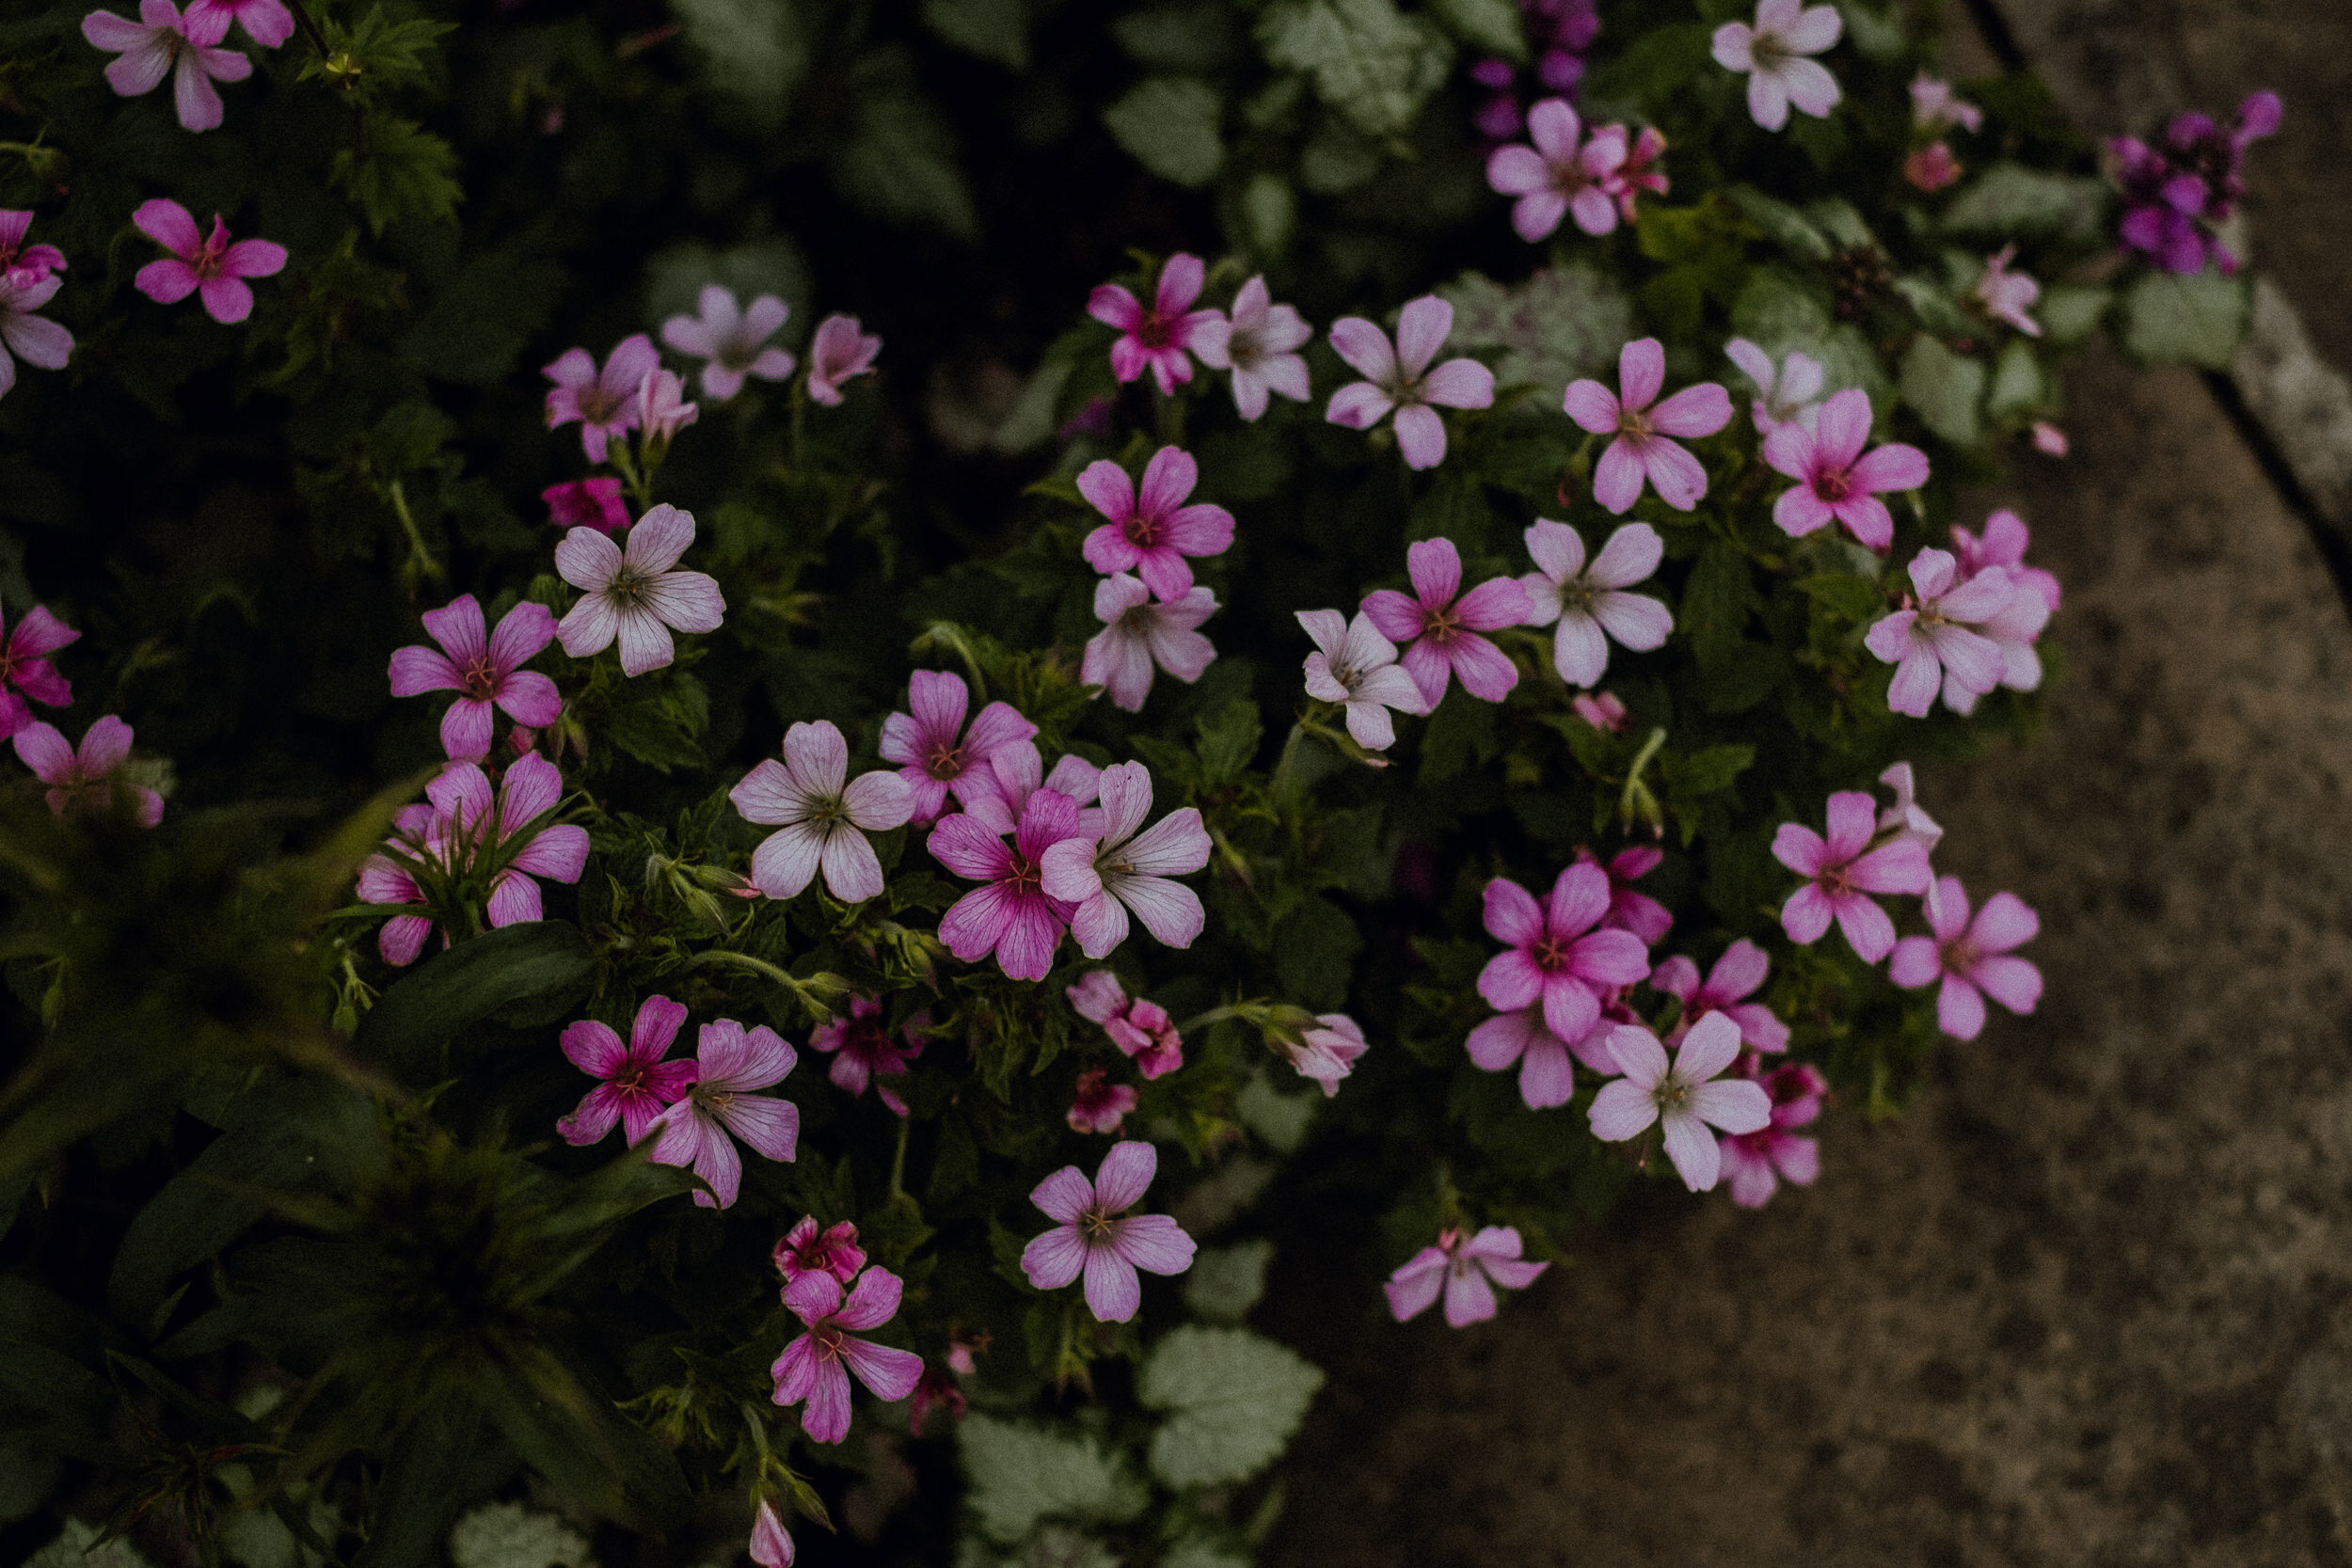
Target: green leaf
(1944, 388)
(1491, 25)
(1782, 224)
(453, 990)
(1716, 600)
(2018, 384)
(1850, 597)
(511, 1535)
(1168, 124)
(2010, 201)
(1315, 953)
(1232, 1401)
(1370, 61)
(992, 29)
(1875, 35)
(399, 173)
(755, 53)
(1229, 740)
(1280, 1119)
(2197, 319)
(2068, 312)
(1224, 1283)
(1779, 313)
(477, 326)
(899, 161)
(1704, 772)
(1022, 1474)
(1188, 35)
(377, 57)
(1269, 211)
(1561, 323)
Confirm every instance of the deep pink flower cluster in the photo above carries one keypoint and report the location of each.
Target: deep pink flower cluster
(2178, 193)
(469, 840)
(815, 1367)
(1561, 175)
(1559, 984)
(208, 266)
(1564, 29)
(82, 780)
(1758, 1163)
(1969, 623)
(1140, 1029)
(1149, 607)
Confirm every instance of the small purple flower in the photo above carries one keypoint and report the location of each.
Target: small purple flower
(806, 1250)
(1151, 534)
(25, 671)
(2004, 544)
(24, 288)
(1162, 339)
(1843, 871)
(2177, 194)
(1935, 641)
(1011, 915)
(1355, 666)
(1094, 1235)
(635, 595)
(1736, 976)
(196, 263)
(1141, 636)
(1466, 1269)
(1444, 624)
(2004, 295)
(936, 752)
(1787, 396)
(606, 402)
(1973, 958)
(839, 350)
(484, 670)
(1401, 377)
(1836, 481)
(1688, 1098)
(163, 43)
(719, 1107)
(1259, 345)
(1756, 1163)
(1642, 450)
(1127, 867)
(822, 815)
(1554, 955)
(637, 1085)
(817, 1366)
(1557, 178)
(731, 339)
(80, 780)
(1774, 54)
(864, 1053)
(1589, 602)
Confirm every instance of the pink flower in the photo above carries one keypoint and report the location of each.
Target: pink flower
(731, 340)
(1151, 538)
(1467, 1269)
(1757, 1163)
(25, 670)
(36, 339)
(662, 410)
(804, 1250)
(1444, 624)
(1325, 1055)
(1141, 635)
(1127, 867)
(1589, 602)
(772, 1545)
(2014, 629)
(1628, 911)
(633, 594)
(2004, 295)
(1835, 479)
(267, 23)
(1259, 346)
(2006, 538)
(483, 671)
(934, 757)
(822, 815)
(1843, 871)
(38, 261)
(1157, 338)
(731, 1062)
(1093, 1234)
(1602, 710)
(1785, 396)
(1772, 52)
(812, 1366)
(1097, 1105)
(1554, 955)
(161, 42)
(1904, 817)
(637, 1085)
(1003, 784)
(466, 831)
(1932, 642)
(1355, 666)
(604, 401)
(1639, 170)
(864, 1052)
(2048, 439)
(1735, 976)
(937, 1390)
(1931, 168)
(1547, 1078)
(841, 349)
(211, 266)
(1973, 958)
(1402, 378)
(1555, 178)
(1142, 1029)
(1934, 106)
(1687, 1099)
(1011, 915)
(82, 782)
(587, 503)
(1642, 450)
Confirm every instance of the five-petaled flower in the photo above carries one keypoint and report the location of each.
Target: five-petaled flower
(1327, 1053)
(822, 815)
(1151, 532)
(936, 752)
(805, 1249)
(1641, 450)
(1836, 479)
(1756, 1163)
(1937, 640)
(1736, 976)
(1629, 910)
(200, 264)
(1552, 954)
(161, 44)
(841, 349)
(465, 828)
(25, 671)
(2004, 295)
(1011, 914)
(731, 1062)
(1640, 171)
(635, 595)
(605, 402)
(1400, 377)
(82, 781)
(1258, 343)
(1786, 395)
(637, 1084)
(1141, 636)
(1558, 178)
(817, 1366)
(1774, 54)
(1162, 339)
(1355, 666)
(1687, 1099)
(1973, 958)
(1843, 871)
(483, 669)
(1444, 624)
(1465, 1268)
(1098, 1105)
(731, 339)
(1521, 1035)
(1142, 1029)
(1589, 601)
(24, 288)
(1126, 866)
(864, 1050)
(1094, 1235)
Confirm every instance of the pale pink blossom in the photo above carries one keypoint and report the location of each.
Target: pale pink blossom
(1401, 377)
(25, 671)
(1554, 955)
(662, 410)
(267, 23)
(1162, 339)
(1521, 1037)
(805, 1250)
(822, 815)
(1355, 666)
(2004, 295)
(1603, 710)
(1140, 1029)
(771, 1544)
(2004, 544)
(1258, 343)
(1141, 636)
(1558, 178)
(1639, 170)
(1094, 1235)
(1904, 817)
(1736, 977)
(587, 503)
(1775, 55)
(2048, 439)
(635, 594)
(731, 339)
(1641, 451)
(36, 260)
(36, 339)
(199, 264)
(1936, 107)
(1932, 167)
(1628, 911)
(605, 402)
(163, 43)
(1756, 1163)
(2014, 629)
(82, 780)
(635, 1085)
(1327, 1053)
(841, 349)
(1589, 601)
(1465, 1268)
(1935, 641)
(1789, 395)
(1835, 478)
(1151, 534)
(1973, 958)
(864, 1050)
(817, 1366)
(1444, 624)
(719, 1107)
(1097, 1105)
(1686, 1099)
(465, 830)
(936, 752)
(1011, 914)
(1843, 871)
(1128, 868)
(484, 668)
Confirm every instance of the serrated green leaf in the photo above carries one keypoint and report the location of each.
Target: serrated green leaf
(1229, 740)
(2195, 320)
(1370, 61)
(1168, 124)
(399, 173)
(1232, 1401)
(1021, 1475)
(1561, 323)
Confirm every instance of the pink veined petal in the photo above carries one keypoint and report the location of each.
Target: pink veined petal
(1513, 916)
(1841, 429)
(587, 559)
(467, 729)
(1812, 30)
(1867, 929)
(1711, 1045)
(1679, 977)
(1558, 551)
(1176, 845)
(689, 601)
(770, 1127)
(1125, 1175)
(787, 861)
(1420, 435)
(1064, 1195)
(816, 758)
(1806, 914)
(1169, 911)
(1368, 724)
(1366, 349)
(873, 1303)
(1468, 1298)
(403, 938)
(1693, 1150)
(1115, 306)
(1592, 405)
(1596, 209)
(1066, 870)
(1732, 46)
(878, 801)
(1635, 620)
(976, 922)
(826, 1417)
(1799, 1159)
(658, 540)
(1607, 958)
(1180, 283)
(1153, 1243)
(795, 1371)
(1570, 1008)
(1698, 410)
(1486, 672)
(1494, 604)
(1618, 476)
(1912, 689)
(1973, 661)
(592, 1048)
(199, 107)
(253, 258)
(1631, 554)
(1547, 1077)
(891, 1374)
(1914, 963)
(1642, 373)
(1578, 651)
(966, 847)
(1108, 490)
(1898, 866)
(1391, 613)
(416, 669)
(1679, 478)
(1753, 363)
(852, 873)
(1168, 479)
(1520, 171)
(1579, 897)
(1960, 1008)
(1359, 406)
(1867, 519)
(1759, 1026)
(1852, 817)
(1500, 1041)
(169, 225)
(1412, 1295)
(2015, 983)
(1026, 950)
(1459, 384)
(1893, 466)
(1099, 923)
(1422, 327)
(646, 642)
(1113, 1294)
(767, 795)
(227, 300)
(1622, 1109)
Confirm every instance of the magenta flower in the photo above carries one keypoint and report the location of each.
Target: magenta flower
(164, 43)
(1932, 167)
(81, 782)
(587, 503)
(1444, 624)
(1466, 1269)
(1973, 958)
(1325, 1054)
(1774, 54)
(1628, 911)
(211, 265)
(1097, 1105)
(25, 670)
(1011, 915)
(771, 1544)
(1936, 107)
(821, 814)
(812, 1367)
(1589, 602)
(634, 593)
(1150, 536)
(421, 839)
(1547, 1077)
(806, 1250)
(1554, 955)
(1141, 636)
(466, 829)
(1785, 396)
(1157, 339)
(1933, 642)
(2006, 538)
(1687, 1099)
(1736, 977)
(662, 410)
(267, 23)
(1003, 784)
(1757, 1163)
(1639, 170)
(1603, 710)
(1355, 666)
(1093, 1233)
(637, 1085)
(38, 261)
(864, 1053)
(36, 339)
(1128, 868)
(2177, 195)
(1402, 378)
(1835, 479)
(730, 1064)
(1556, 178)
(482, 670)
(934, 753)
(841, 349)
(1259, 345)
(1140, 1029)
(2004, 295)
(1843, 871)
(731, 340)
(1641, 450)
(604, 401)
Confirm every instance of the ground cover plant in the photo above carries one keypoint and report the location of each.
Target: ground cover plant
(752, 737)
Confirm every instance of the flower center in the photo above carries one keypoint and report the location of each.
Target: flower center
(1960, 956)
(1578, 594)
(1837, 882)
(1441, 625)
(1097, 1223)
(1025, 879)
(629, 586)
(480, 679)
(1833, 485)
(1155, 330)
(946, 760)
(1634, 425)
(1550, 955)
(1673, 1093)
(1767, 51)
(827, 1337)
(595, 405)
(630, 1079)
(1243, 351)
(1143, 530)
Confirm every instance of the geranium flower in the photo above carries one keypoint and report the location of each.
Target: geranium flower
(1603, 710)
(464, 827)
(1757, 1163)
(1157, 340)
(1010, 915)
(1259, 346)
(1140, 1029)
(1141, 635)
(864, 1052)
(841, 349)
(1466, 1269)
(2013, 629)
(1930, 168)
(1444, 624)
(1003, 784)
(1097, 1105)
(1641, 451)
(1127, 867)
(731, 1061)
(1639, 170)
(1772, 54)
(1628, 911)
(1556, 178)
(2006, 539)
(771, 1544)
(2004, 295)
(823, 816)
(1688, 1098)
(1934, 106)
(484, 670)
(934, 753)
(806, 1250)
(812, 1367)
(209, 266)
(1094, 1235)
(36, 339)
(163, 42)
(605, 400)
(1973, 958)
(1836, 479)
(635, 595)
(1784, 396)
(1546, 1076)
(1842, 872)
(637, 1085)
(1554, 955)
(37, 261)
(1355, 666)
(587, 503)
(662, 410)
(1736, 977)
(1589, 602)
(267, 23)
(1402, 378)
(1904, 816)
(731, 339)
(1932, 641)
(80, 780)
(1150, 536)
(25, 671)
